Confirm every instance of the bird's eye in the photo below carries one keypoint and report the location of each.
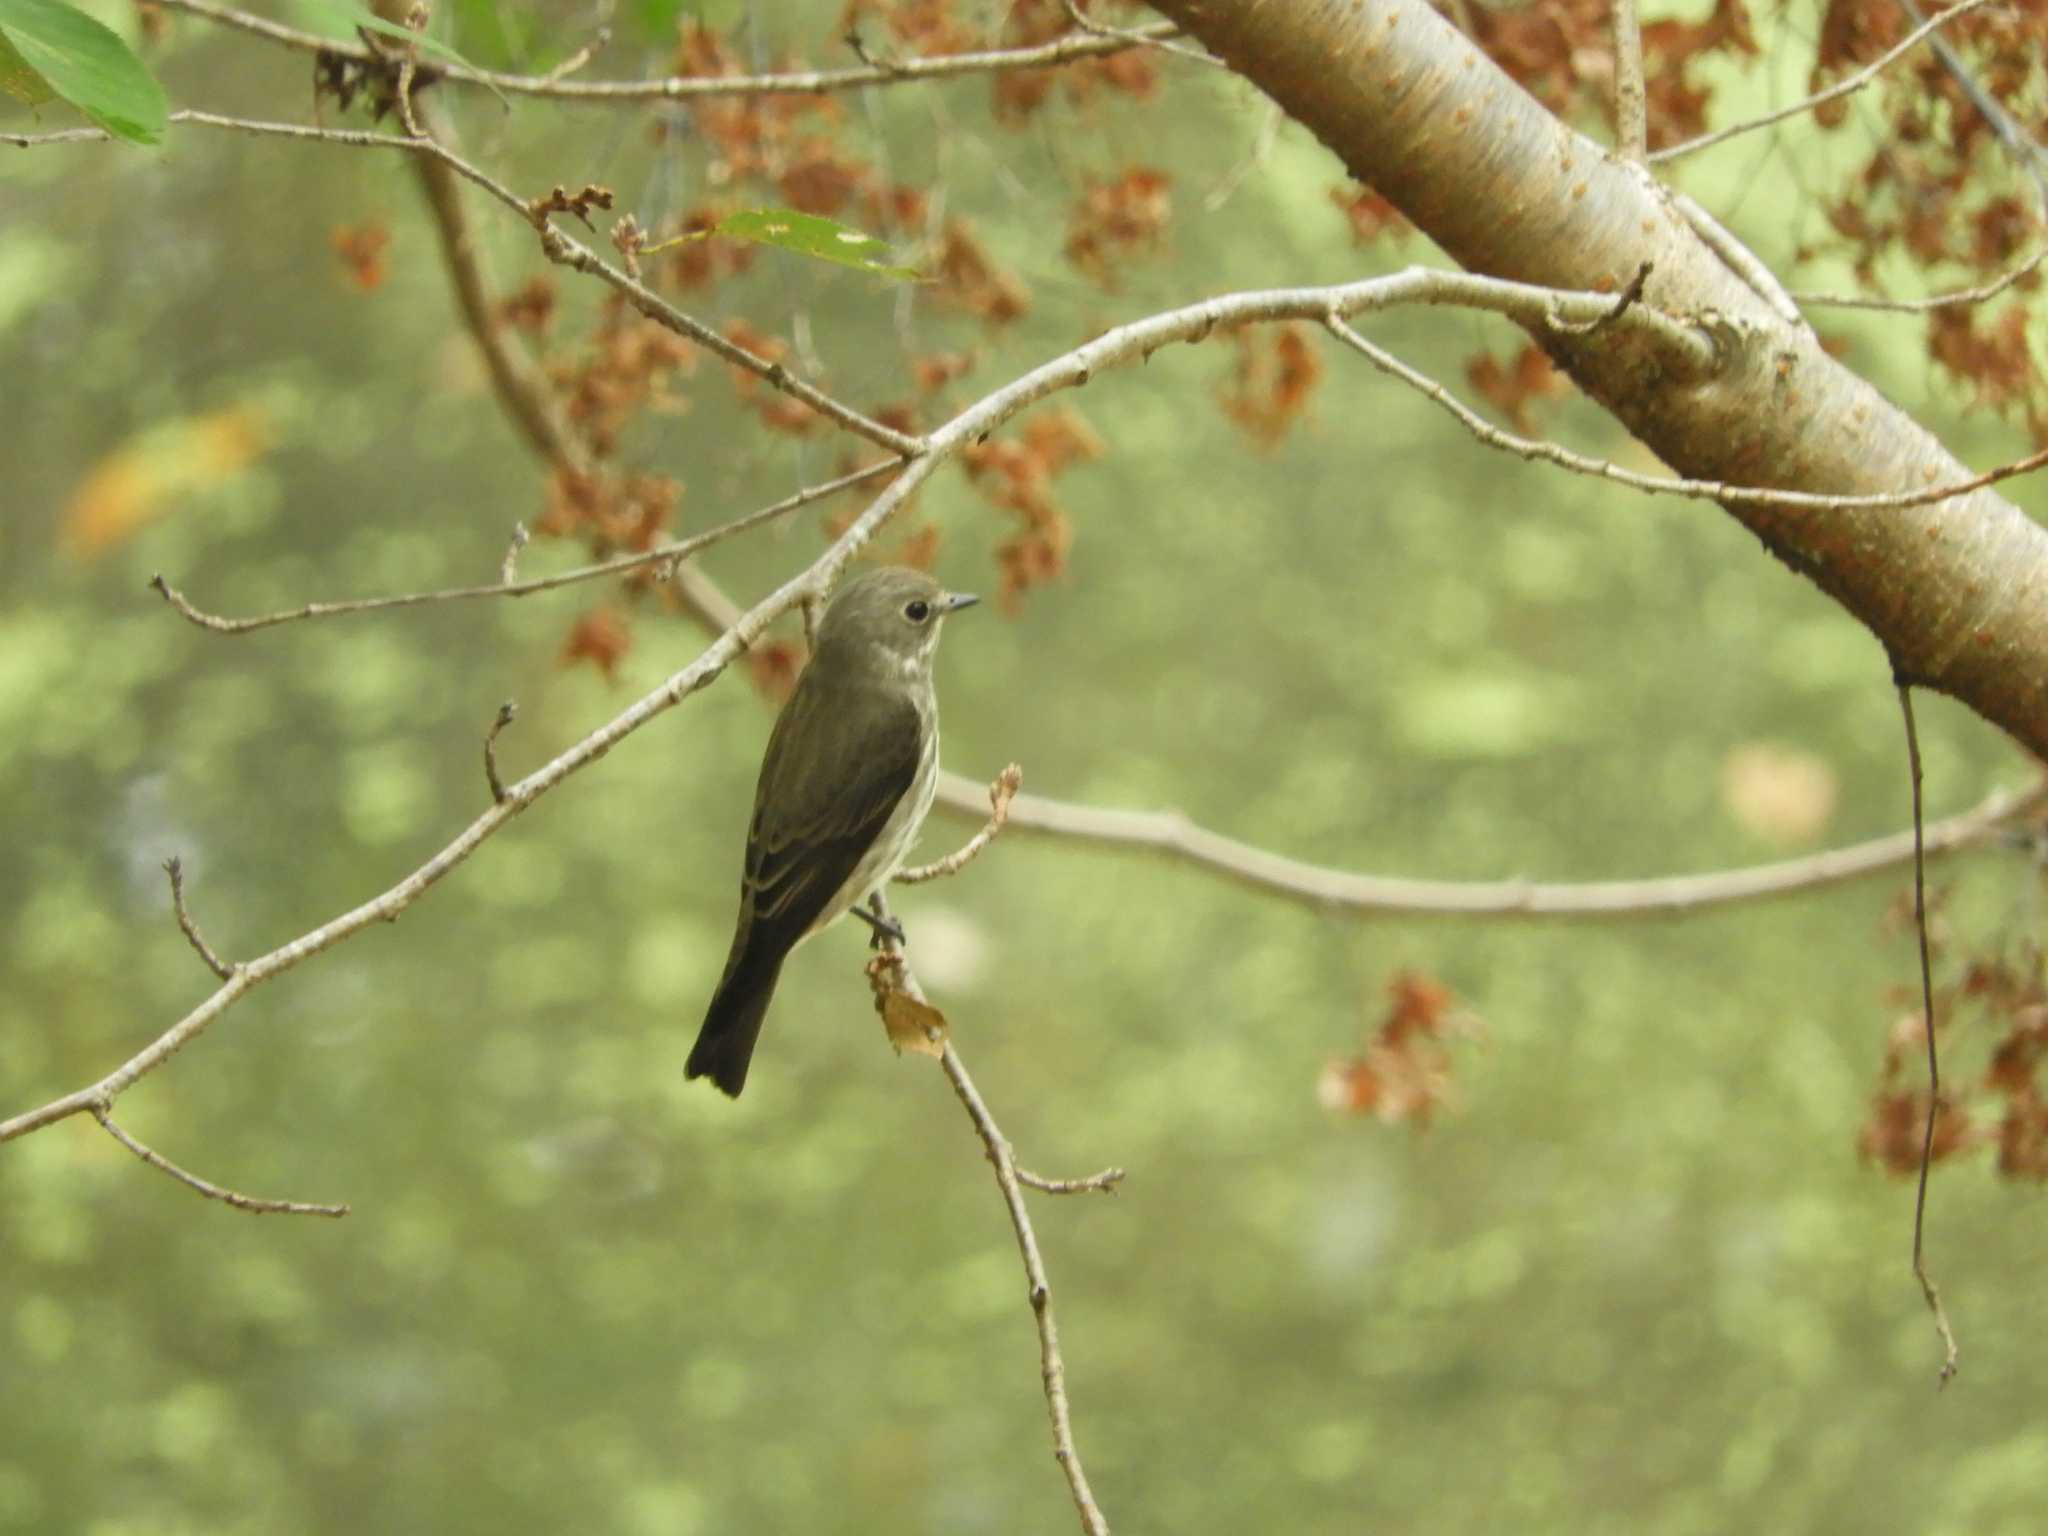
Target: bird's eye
(917, 610)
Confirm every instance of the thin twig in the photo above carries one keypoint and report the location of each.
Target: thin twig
(681, 549)
(1739, 259)
(1173, 836)
(235, 1198)
(507, 713)
(1623, 303)
(1261, 147)
(1631, 101)
(1663, 485)
(804, 82)
(1104, 1182)
(2025, 154)
(1920, 1273)
(1139, 37)
(1000, 793)
(508, 568)
(175, 868)
(1052, 1366)
(1954, 298)
(1847, 85)
(582, 56)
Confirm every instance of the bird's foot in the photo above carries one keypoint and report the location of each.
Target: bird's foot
(880, 925)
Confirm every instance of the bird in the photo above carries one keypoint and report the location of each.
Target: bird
(845, 786)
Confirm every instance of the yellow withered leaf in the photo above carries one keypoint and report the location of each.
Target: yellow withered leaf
(144, 477)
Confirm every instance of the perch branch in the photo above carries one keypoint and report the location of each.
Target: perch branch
(1010, 1180)
(1052, 1367)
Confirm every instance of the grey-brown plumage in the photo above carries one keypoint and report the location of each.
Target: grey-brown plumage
(848, 777)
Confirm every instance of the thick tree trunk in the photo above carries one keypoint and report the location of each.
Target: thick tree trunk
(1954, 590)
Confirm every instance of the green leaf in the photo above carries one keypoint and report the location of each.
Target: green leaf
(74, 57)
(809, 235)
(18, 80)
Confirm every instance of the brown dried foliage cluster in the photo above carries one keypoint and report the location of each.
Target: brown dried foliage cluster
(1992, 1026)
(1938, 188)
(1517, 386)
(1562, 51)
(1268, 390)
(1118, 221)
(1016, 474)
(1405, 1071)
(802, 151)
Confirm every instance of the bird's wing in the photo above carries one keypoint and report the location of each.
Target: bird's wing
(830, 779)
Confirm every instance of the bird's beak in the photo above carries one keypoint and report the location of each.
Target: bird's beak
(955, 601)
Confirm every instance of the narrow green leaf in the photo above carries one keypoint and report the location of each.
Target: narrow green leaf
(78, 59)
(809, 235)
(18, 80)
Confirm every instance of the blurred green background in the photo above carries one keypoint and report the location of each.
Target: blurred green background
(1637, 1280)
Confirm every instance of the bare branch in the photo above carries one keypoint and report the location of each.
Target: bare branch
(681, 549)
(1846, 86)
(1173, 836)
(235, 1198)
(1928, 1290)
(805, 82)
(1631, 101)
(175, 868)
(507, 713)
(523, 390)
(1000, 793)
(1663, 485)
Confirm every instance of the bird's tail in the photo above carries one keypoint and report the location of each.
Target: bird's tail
(725, 1045)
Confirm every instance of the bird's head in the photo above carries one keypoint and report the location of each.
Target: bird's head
(888, 615)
